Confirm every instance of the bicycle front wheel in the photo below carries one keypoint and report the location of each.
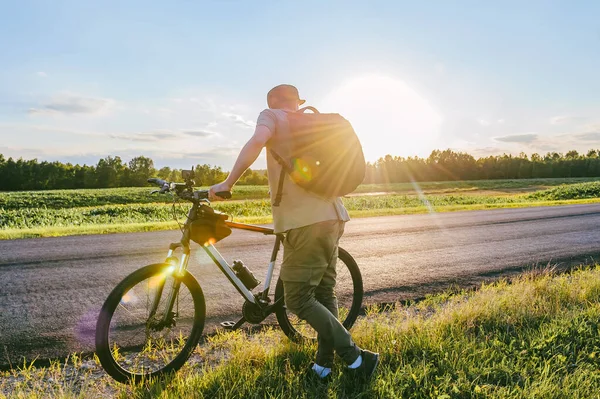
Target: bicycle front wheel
(349, 294)
(150, 323)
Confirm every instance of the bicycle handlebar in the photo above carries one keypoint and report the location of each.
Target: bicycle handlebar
(158, 182)
(179, 189)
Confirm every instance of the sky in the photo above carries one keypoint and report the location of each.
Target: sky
(184, 81)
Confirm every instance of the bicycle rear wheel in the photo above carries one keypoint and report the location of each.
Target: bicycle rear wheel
(349, 293)
(137, 335)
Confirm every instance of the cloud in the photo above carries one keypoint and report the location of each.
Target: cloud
(591, 136)
(27, 128)
(70, 104)
(562, 119)
(160, 135)
(484, 122)
(42, 74)
(61, 153)
(146, 137)
(216, 152)
(518, 138)
(239, 120)
(199, 133)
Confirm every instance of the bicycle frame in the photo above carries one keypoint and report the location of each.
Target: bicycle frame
(228, 271)
(260, 299)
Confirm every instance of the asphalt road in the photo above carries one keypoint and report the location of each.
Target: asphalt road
(51, 289)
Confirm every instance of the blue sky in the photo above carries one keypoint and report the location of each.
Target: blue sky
(183, 82)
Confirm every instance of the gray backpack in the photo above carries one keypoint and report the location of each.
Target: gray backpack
(324, 154)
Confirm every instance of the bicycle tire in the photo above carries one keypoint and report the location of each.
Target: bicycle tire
(283, 315)
(103, 325)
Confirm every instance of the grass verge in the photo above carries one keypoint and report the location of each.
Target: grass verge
(535, 337)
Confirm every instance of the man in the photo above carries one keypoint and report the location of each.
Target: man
(313, 227)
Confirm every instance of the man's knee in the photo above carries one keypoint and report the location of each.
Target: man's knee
(298, 297)
(325, 293)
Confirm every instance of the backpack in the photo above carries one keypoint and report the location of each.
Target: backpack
(325, 156)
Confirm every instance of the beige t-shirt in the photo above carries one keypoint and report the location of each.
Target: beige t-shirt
(298, 207)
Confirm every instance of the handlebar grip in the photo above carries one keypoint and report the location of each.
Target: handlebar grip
(224, 194)
(157, 181)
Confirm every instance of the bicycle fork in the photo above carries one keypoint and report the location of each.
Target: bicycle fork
(174, 269)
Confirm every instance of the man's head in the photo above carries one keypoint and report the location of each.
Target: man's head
(284, 97)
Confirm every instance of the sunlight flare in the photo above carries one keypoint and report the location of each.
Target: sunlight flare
(388, 115)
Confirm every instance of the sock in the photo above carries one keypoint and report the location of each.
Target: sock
(356, 363)
(321, 371)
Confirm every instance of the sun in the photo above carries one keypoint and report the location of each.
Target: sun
(388, 116)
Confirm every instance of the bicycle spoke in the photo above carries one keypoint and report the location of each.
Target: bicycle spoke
(143, 342)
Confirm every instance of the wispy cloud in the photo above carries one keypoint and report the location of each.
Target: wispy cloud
(518, 138)
(216, 152)
(71, 104)
(199, 133)
(562, 119)
(145, 137)
(160, 135)
(42, 74)
(591, 136)
(10, 128)
(239, 120)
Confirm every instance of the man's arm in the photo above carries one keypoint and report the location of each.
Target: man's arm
(245, 159)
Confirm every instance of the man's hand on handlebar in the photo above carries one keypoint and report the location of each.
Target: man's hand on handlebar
(218, 188)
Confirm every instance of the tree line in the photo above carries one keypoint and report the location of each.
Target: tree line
(439, 166)
(109, 172)
(451, 165)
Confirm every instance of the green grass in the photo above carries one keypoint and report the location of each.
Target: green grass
(126, 210)
(535, 337)
(65, 199)
(572, 191)
(62, 199)
(507, 185)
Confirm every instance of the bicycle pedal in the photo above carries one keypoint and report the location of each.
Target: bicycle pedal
(228, 324)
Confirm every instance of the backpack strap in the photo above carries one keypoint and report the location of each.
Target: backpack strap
(279, 188)
(285, 168)
(309, 108)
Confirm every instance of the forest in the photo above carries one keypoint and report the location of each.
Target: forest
(446, 165)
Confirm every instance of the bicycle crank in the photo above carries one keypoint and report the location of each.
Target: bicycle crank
(253, 313)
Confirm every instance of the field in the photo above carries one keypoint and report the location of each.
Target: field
(534, 337)
(67, 212)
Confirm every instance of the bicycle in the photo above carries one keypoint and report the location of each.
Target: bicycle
(152, 321)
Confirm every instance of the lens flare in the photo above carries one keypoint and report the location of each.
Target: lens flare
(211, 241)
(303, 171)
(156, 280)
(169, 270)
(128, 298)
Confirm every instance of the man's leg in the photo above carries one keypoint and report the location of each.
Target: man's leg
(307, 254)
(325, 294)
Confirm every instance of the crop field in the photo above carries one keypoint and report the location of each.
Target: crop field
(66, 212)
